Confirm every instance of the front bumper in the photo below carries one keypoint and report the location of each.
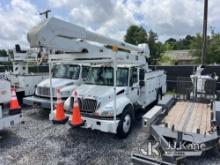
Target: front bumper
(10, 121)
(37, 101)
(108, 126)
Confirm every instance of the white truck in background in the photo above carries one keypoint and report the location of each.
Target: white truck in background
(119, 81)
(20, 76)
(64, 77)
(6, 120)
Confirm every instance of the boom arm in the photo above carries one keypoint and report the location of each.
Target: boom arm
(57, 34)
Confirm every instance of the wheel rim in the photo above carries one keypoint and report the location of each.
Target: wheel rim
(127, 123)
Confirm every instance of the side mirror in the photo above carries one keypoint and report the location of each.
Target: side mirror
(141, 83)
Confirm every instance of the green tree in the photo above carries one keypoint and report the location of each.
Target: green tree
(155, 47)
(166, 60)
(166, 46)
(3, 53)
(182, 43)
(213, 48)
(136, 35)
(171, 42)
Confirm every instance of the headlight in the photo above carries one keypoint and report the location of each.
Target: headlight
(107, 111)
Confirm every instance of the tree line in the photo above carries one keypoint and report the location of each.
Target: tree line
(137, 34)
(3, 53)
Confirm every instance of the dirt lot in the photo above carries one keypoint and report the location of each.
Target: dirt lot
(38, 141)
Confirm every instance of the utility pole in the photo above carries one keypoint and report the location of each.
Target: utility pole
(205, 21)
(46, 13)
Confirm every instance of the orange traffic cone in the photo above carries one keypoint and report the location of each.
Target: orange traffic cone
(15, 108)
(76, 120)
(60, 117)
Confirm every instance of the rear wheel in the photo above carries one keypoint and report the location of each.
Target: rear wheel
(125, 123)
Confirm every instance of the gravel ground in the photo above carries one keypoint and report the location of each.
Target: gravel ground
(37, 141)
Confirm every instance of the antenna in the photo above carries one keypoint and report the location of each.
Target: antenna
(205, 21)
(46, 13)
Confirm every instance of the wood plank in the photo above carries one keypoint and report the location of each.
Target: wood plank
(171, 112)
(197, 118)
(183, 118)
(179, 115)
(208, 121)
(188, 126)
(170, 118)
(202, 126)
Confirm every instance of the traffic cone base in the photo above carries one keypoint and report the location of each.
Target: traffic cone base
(15, 111)
(77, 124)
(61, 121)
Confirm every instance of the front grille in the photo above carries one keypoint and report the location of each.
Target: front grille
(87, 105)
(43, 91)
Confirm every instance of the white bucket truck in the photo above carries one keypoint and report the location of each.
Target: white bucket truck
(6, 120)
(64, 76)
(118, 83)
(20, 76)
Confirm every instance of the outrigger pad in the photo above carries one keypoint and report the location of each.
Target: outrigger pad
(61, 122)
(14, 111)
(77, 125)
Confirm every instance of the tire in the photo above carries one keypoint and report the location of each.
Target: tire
(126, 122)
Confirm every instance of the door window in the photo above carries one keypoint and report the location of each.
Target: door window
(134, 76)
(85, 71)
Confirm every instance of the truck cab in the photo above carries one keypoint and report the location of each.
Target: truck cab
(65, 77)
(136, 88)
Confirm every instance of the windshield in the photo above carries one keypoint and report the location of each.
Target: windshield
(66, 71)
(104, 76)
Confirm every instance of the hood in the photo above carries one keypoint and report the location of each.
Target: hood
(56, 82)
(97, 91)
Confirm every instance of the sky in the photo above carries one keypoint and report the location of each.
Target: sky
(168, 18)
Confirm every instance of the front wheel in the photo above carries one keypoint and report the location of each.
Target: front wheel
(125, 123)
